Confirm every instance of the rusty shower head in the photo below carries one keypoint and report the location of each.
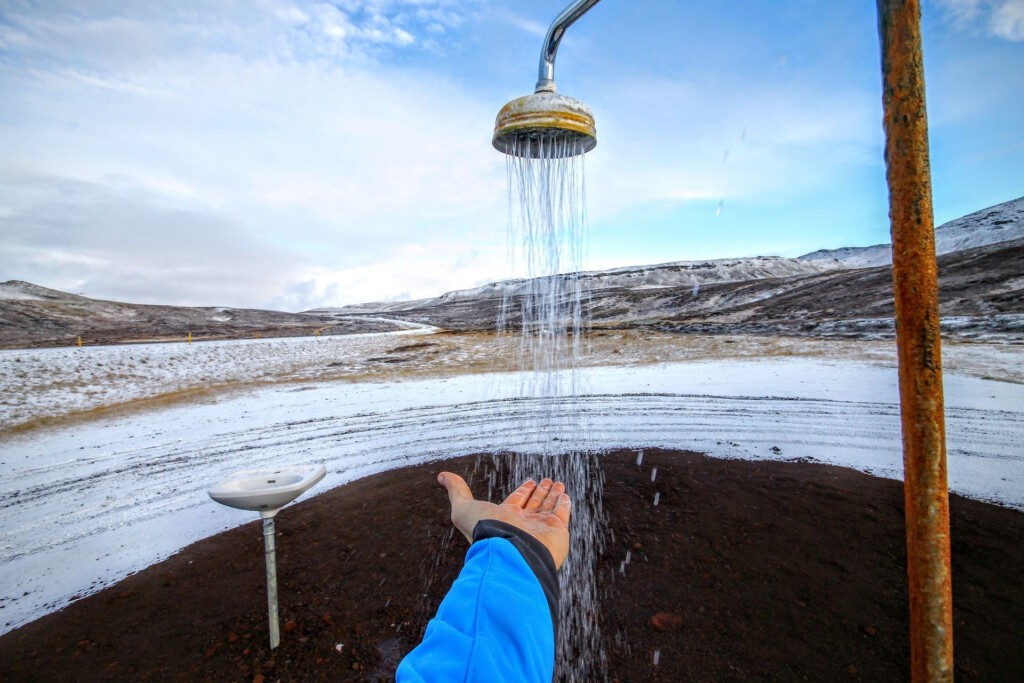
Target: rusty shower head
(544, 124)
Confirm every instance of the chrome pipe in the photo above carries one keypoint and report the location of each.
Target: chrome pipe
(270, 550)
(546, 71)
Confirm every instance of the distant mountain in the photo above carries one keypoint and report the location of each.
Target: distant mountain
(981, 297)
(16, 290)
(675, 274)
(839, 292)
(32, 316)
(999, 223)
(853, 257)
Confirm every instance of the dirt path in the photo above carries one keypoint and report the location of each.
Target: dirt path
(759, 570)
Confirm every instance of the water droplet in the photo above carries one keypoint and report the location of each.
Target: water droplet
(629, 556)
(657, 657)
(725, 156)
(622, 568)
(718, 209)
(657, 497)
(639, 458)
(654, 474)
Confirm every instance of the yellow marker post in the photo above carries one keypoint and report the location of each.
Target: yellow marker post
(189, 337)
(79, 342)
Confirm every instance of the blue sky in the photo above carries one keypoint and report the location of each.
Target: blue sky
(297, 154)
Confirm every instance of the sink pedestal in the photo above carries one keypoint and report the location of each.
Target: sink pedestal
(270, 550)
(266, 491)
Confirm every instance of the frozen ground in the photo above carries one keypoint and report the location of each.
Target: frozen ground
(87, 501)
(45, 383)
(40, 386)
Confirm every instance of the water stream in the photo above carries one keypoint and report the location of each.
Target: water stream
(542, 321)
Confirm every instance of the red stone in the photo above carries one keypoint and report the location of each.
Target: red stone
(666, 621)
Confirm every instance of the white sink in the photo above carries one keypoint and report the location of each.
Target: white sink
(267, 490)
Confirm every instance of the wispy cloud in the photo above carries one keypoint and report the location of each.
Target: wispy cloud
(528, 25)
(116, 37)
(1008, 20)
(999, 18)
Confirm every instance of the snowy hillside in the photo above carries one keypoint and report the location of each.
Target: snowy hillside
(995, 224)
(854, 257)
(31, 315)
(999, 223)
(664, 275)
(15, 290)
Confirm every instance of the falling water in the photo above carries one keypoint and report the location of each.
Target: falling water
(543, 323)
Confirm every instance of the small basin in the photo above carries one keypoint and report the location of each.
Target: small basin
(267, 490)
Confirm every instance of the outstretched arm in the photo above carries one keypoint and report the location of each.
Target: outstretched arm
(498, 621)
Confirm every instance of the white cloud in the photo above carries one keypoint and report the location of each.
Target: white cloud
(114, 37)
(408, 271)
(1008, 20)
(999, 18)
(292, 15)
(963, 10)
(530, 26)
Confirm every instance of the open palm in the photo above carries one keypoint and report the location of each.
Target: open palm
(541, 510)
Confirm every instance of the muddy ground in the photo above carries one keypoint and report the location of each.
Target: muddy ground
(743, 571)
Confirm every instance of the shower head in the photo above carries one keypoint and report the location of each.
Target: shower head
(545, 125)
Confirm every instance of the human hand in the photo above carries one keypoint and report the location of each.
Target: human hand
(541, 510)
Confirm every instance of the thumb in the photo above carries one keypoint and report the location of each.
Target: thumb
(458, 490)
(461, 499)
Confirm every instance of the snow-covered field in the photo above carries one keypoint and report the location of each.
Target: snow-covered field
(38, 385)
(86, 502)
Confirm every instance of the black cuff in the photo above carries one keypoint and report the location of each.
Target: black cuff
(533, 551)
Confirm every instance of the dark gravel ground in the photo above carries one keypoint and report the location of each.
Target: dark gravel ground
(743, 571)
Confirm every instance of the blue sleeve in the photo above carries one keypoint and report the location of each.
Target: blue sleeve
(497, 621)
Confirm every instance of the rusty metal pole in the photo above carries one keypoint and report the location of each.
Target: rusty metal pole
(915, 284)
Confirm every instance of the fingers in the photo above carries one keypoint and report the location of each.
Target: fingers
(522, 494)
(563, 508)
(539, 495)
(548, 505)
(458, 490)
